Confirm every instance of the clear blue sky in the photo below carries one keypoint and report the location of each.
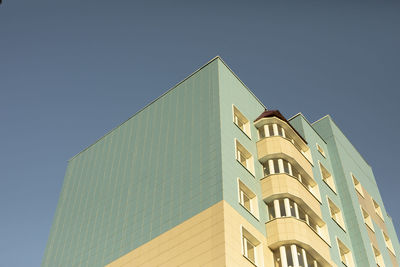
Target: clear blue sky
(70, 71)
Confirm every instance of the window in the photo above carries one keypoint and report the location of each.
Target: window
(320, 150)
(357, 186)
(274, 129)
(251, 248)
(244, 157)
(378, 209)
(248, 199)
(293, 255)
(388, 243)
(241, 121)
(327, 177)
(378, 257)
(345, 254)
(336, 213)
(367, 219)
(273, 166)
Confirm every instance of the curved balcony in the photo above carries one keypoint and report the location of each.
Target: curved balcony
(282, 185)
(289, 230)
(280, 147)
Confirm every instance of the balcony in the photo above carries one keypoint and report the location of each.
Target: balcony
(282, 185)
(280, 147)
(289, 230)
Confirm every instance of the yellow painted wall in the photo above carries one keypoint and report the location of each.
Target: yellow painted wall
(210, 238)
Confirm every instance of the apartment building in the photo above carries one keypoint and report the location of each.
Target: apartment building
(206, 175)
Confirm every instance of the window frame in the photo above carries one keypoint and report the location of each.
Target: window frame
(378, 210)
(245, 235)
(329, 181)
(249, 166)
(236, 113)
(367, 220)
(379, 257)
(388, 243)
(347, 254)
(320, 150)
(340, 222)
(357, 185)
(243, 189)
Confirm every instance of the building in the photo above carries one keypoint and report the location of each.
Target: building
(206, 176)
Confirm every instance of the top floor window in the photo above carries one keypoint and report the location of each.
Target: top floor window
(357, 185)
(272, 129)
(321, 151)
(241, 121)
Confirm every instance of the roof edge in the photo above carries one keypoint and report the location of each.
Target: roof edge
(237, 77)
(311, 124)
(140, 110)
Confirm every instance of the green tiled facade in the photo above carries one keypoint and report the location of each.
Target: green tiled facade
(176, 158)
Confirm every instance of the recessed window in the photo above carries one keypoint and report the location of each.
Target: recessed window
(244, 157)
(345, 254)
(327, 177)
(272, 129)
(388, 243)
(241, 121)
(378, 257)
(293, 255)
(357, 185)
(251, 248)
(320, 150)
(367, 219)
(336, 213)
(248, 199)
(378, 209)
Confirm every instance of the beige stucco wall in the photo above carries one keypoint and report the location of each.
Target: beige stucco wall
(210, 238)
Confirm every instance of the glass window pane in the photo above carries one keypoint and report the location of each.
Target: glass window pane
(302, 214)
(261, 132)
(276, 166)
(246, 202)
(286, 166)
(300, 256)
(289, 256)
(250, 251)
(271, 211)
(280, 131)
(282, 208)
(292, 212)
(271, 130)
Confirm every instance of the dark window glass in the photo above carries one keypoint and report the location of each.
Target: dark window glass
(276, 166)
(282, 208)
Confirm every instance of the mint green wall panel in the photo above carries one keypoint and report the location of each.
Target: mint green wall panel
(156, 170)
(346, 160)
(335, 231)
(233, 92)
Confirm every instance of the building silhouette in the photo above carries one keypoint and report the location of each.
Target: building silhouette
(205, 175)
